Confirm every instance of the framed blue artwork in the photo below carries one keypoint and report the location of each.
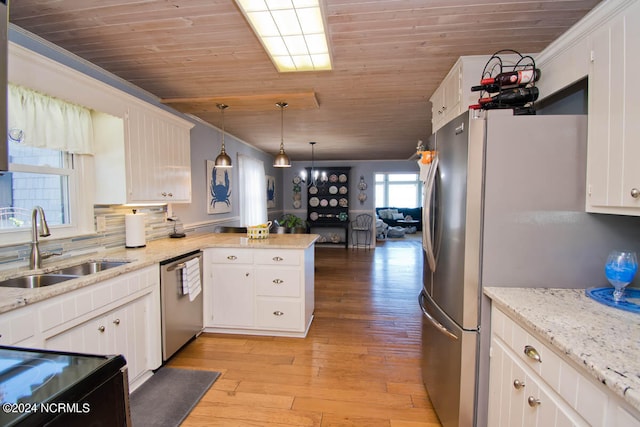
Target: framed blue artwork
(271, 191)
(218, 189)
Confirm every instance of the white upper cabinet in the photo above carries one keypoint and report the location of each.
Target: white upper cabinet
(454, 95)
(142, 158)
(613, 175)
(142, 153)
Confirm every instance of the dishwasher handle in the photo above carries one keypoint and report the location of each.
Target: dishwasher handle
(178, 266)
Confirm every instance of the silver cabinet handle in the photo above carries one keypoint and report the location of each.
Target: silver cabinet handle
(635, 193)
(278, 281)
(101, 328)
(232, 257)
(532, 353)
(278, 313)
(517, 384)
(277, 259)
(116, 322)
(533, 402)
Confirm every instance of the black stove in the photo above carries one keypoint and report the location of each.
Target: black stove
(42, 387)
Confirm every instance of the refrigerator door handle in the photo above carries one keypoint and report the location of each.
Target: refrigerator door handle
(426, 213)
(433, 321)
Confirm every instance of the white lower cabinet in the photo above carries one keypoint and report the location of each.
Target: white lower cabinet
(122, 331)
(117, 316)
(259, 291)
(531, 385)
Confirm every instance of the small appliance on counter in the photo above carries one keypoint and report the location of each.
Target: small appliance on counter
(43, 387)
(134, 230)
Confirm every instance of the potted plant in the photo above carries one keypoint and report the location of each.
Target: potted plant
(289, 223)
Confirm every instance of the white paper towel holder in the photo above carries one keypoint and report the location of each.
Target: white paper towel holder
(134, 231)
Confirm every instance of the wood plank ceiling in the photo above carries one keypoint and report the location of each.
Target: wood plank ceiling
(388, 56)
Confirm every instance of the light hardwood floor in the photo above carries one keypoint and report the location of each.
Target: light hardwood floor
(358, 366)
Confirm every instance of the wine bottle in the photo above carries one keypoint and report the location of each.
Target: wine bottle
(513, 78)
(512, 97)
(492, 88)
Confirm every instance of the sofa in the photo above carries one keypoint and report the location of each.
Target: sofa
(391, 215)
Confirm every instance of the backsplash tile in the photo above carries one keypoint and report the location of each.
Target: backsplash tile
(156, 227)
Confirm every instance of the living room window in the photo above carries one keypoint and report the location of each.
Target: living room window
(398, 190)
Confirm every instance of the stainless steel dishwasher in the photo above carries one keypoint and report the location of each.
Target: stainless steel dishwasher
(181, 317)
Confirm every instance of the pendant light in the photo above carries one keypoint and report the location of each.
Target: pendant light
(313, 173)
(282, 160)
(223, 160)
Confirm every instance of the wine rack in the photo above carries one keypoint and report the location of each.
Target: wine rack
(518, 96)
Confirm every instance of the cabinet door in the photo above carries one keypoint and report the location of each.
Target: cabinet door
(437, 108)
(159, 160)
(129, 334)
(613, 178)
(232, 297)
(125, 330)
(452, 92)
(89, 337)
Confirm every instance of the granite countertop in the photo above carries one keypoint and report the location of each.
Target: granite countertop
(155, 252)
(603, 340)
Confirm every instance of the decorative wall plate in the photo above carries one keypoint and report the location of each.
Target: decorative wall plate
(333, 178)
(313, 216)
(343, 202)
(313, 190)
(314, 201)
(324, 203)
(343, 190)
(342, 178)
(333, 203)
(333, 189)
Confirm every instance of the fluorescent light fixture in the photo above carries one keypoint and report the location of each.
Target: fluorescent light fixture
(292, 32)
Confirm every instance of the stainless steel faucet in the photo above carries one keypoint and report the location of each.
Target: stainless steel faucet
(35, 259)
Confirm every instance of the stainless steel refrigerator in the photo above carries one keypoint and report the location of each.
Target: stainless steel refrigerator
(503, 206)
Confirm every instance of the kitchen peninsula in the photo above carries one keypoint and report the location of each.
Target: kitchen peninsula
(582, 362)
(79, 314)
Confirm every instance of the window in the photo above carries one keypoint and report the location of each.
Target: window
(398, 190)
(253, 187)
(38, 177)
(42, 171)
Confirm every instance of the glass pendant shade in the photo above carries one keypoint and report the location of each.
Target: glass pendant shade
(282, 160)
(223, 160)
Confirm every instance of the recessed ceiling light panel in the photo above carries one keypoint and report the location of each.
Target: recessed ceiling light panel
(291, 31)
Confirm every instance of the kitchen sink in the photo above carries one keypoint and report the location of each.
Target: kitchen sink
(60, 275)
(90, 267)
(36, 280)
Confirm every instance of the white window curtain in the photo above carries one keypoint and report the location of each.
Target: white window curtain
(38, 120)
(253, 191)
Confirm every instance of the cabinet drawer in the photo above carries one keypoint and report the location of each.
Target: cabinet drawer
(278, 257)
(582, 394)
(279, 314)
(230, 256)
(278, 282)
